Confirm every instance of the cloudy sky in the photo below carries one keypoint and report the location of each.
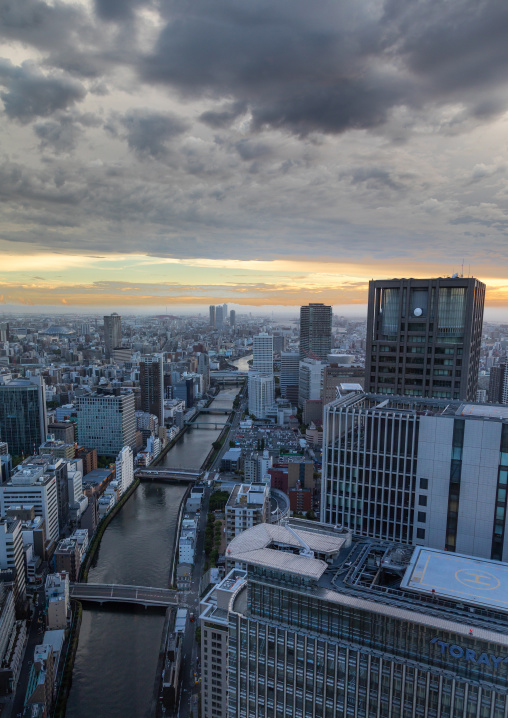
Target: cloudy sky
(259, 152)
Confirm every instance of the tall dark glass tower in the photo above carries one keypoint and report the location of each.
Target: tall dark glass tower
(315, 331)
(424, 337)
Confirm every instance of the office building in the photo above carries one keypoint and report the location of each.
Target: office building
(423, 471)
(62, 431)
(23, 414)
(424, 337)
(7, 617)
(33, 484)
(106, 422)
(57, 600)
(68, 558)
(40, 689)
(57, 448)
(322, 625)
(261, 393)
(315, 331)
(498, 384)
(289, 375)
(340, 370)
(151, 380)
(4, 332)
(247, 506)
(310, 382)
(212, 316)
(11, 553)
(219, 316)
(224, 312)
(112, 334)
(232, 318)
(124, 468)
(262, 353)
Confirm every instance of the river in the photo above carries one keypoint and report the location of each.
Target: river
(118, 647)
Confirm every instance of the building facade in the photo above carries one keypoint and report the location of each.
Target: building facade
(315, 331)
(11, 553)
(289, 375)
(124, 468)
(324, 626)
(421, 471)
(310, 381)
(112, 334)
(247, 506)
(107, 422)
(262, 353)
(261, 393)
(424, 337)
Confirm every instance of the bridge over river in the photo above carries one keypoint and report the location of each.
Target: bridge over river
(114, 593)
(169, 475)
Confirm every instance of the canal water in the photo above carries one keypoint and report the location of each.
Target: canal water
(118, 647)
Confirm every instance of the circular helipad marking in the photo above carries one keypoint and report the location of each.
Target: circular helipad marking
(477, 579)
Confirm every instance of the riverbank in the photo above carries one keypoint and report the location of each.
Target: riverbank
(72, 647)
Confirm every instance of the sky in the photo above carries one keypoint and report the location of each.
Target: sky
(260, 153)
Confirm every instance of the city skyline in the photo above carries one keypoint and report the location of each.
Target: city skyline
(165, 154)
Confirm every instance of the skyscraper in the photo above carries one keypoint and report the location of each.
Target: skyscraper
(262, 353)
(289, 375)
(23, 419)
(112, 333)
(212, 315)
(315, 331)
(224, 312)
(232, 318)
(424, 337)
(261, 393)
(498, 384)
(219, 316)
(151, 380)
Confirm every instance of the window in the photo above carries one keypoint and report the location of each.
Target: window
(422, 501)
(422, 517)
(424, 484)
(420, 533)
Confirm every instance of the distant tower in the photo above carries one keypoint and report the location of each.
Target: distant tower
(224, 312)
(112, 333)
(262, 357)
(315, 331)
(212, 316)
(232, 318)
(424, 337)
(151, 379)
(219, 316)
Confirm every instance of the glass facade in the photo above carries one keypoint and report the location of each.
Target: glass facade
(20, 424)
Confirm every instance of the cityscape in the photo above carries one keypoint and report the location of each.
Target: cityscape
(253, 359)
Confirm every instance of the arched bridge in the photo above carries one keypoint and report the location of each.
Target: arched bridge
(115, 593)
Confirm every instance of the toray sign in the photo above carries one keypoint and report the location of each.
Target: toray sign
(467, 654)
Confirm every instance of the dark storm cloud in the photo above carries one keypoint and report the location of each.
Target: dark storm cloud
(337, 66)
(60, 135)
(117, 9)
(148, 133)
(30, 94)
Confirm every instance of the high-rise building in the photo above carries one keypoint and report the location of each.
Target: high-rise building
(151, 380)
(11, 553)
(289, 375)
(4, 332)
(310, 382)
(212, 316)
(422, 471)
(340, 370)
(106, 422)
(262, 353)
(232, 318)
(23, 419)
(424, 337)
(321, 625)
(498, 384)
(261, 393)
(248, 505)
(33, 484)
(112, 333)
(224, 312)
(124, 468)
(203, 368)
(219, 316)
(315, 331)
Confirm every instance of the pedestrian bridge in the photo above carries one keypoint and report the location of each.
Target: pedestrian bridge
(115, 593)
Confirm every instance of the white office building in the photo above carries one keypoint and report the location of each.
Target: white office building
(124, 468)
(11, 552)
(30, 486)
(261, 393)
(106, 422)
(424, 471)
(310, 381)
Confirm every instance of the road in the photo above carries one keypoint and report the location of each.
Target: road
(135, 594)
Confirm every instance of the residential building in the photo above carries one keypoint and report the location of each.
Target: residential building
(22, 414)
(289, 375)
(498, 384)
(248, 505)
(422, 471)
(151, 379)
(33, 484)
(232, 318)
(41, 679)
(124, 468)
(212, 316)
(262, 353)
(322, 625)
(11, 553)
(106, 422)
(219, 316)
(7, 616)
(261, 393)
(424, 337)
(112, 334)
(315, 331)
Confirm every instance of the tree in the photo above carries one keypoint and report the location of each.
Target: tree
(232, 443)
(216, 445)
